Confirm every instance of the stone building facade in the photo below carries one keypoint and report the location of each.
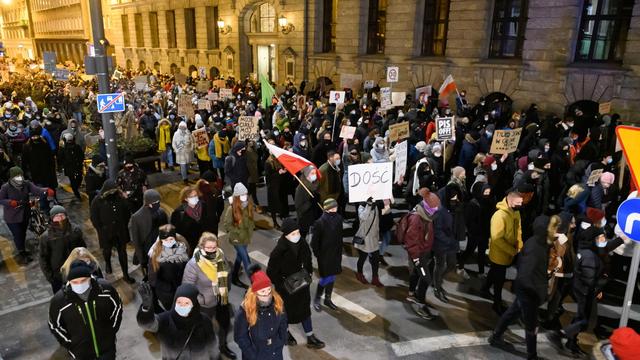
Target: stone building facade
(16, 30)
(551, 52)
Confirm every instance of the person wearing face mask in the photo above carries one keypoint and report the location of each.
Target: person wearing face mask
(445, 245)
(369, 216)
(148, 123)
(14, 197)
(71, 157)
(183, 146)
(132, 180)
(290, 256)
(260, 327)
(81, 254)
(184, 332)
(301, 145)
(330, 184)
(505, 243)
(307, 204)
(602, 193)
(16, 138)
(38, 161)
(85, 315)
(143, 226)
(320, 151)
(189, 216)
(163, 139)
(95, 177)
(36, 127)
(277, 178)
(478, 220)
(208, 270)
(167, 256)
(73, 128)
(56, 244)
(235, 166)
(219, 148)
(327, 247)
(239, 224)
(379, 153)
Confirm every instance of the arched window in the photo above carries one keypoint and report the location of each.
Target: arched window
(434, 31)
(263, 19)
(507, 32)
(603, 30)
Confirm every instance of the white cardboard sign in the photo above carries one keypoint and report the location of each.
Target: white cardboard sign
(370, 180)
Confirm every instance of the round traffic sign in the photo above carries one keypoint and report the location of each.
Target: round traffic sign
(629, 218)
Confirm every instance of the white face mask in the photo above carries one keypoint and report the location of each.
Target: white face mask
(530, 166)
(18, 179)
(294, 239)
(193, 201)
(603, 222)
(494, 166)
(169, 243)
(313, 177)
(81, 288)
(303, 143)
(183, 310)
(337, 163)
(244, 198)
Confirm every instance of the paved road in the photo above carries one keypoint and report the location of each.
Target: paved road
(370, 324)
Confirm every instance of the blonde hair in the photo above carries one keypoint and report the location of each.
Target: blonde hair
(156, 248)
(575, 190)
(250, 305)
(79, 253)
(552, 228)
(206, 237)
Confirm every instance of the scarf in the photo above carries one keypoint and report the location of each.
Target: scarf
(216, 271)
(194, 212)
(16, 185)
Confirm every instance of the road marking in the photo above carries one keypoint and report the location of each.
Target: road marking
(352, 308)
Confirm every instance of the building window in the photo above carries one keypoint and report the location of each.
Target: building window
(603, 30)
(139, 30)
(376, 26)
(507, 32)
(263, 19)
(125, 30)
(434, 31)
(153, 25)
(190, 27)
(213, 41)
(329, 16)
(171, 29)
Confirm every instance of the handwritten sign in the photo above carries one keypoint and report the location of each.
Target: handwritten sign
(604, 108)
(351, 81)
(185, 106)
(226, 93)
(203, 86)
(401, 151)
(370, 180)
(385, 98)
(397, 98)
(204, 104)
(444, 128)
(219, 83)
(212, 96)
(347, 132)
(505, 141)
(201, 137)
(247, 128)
(76, 91)
(398, 131)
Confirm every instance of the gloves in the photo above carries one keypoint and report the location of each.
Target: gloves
(146, 294)
(50, 192)
(14, 203)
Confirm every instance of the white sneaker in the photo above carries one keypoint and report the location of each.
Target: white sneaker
(463, 274)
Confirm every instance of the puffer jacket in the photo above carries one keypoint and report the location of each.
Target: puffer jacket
(418, 238)
(506, 234)
(240, 234)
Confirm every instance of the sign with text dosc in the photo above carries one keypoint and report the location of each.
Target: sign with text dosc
(370, 180)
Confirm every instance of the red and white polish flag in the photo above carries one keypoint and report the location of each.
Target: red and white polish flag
(294, 163)
(447, 87)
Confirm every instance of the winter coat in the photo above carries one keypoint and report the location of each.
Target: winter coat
(189, 227)
(307, 209)
(183, 147)
(327, 243)
(71, 156)
(329, 184)
(208, 295)
(266, 339)
(444, 240)
(78, 136)
(587, 272)
(87, 329)
(166, 279)
(143, 230)
(252, 165)
(242, 233)
(38, 163)
(506, 234)
(419, 235)
(55, 246)
(18, 214)
(379, 155)
(93, 182)
(468, 152)
(110, 217)
(235, 168)
(133, 183)
(533, 262)
(478, 214)
(277, 195)
(286, 259)
(368, 230)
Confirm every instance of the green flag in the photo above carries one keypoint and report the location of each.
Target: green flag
(267, 91)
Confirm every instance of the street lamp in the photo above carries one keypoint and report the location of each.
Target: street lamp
(285, 27)
(224, 30)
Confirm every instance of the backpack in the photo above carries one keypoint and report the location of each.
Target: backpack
(401, 228)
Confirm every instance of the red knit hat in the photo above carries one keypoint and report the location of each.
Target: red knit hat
(595, 215)
(259, 280)
(625, 343)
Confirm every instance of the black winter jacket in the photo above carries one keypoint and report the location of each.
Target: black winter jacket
(55, 247)
(110, 216)
(533, 262)
(327, 243)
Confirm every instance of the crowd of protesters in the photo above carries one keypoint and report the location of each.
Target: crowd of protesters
(547, 208)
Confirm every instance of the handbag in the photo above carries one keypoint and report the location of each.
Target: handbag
(297, 281)
(358, 240)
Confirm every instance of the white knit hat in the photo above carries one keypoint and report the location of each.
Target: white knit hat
(239, 189)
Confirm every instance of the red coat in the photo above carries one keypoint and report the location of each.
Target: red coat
(415, 241)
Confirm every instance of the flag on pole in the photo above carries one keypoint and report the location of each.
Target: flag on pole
(267, 91)
(291, 161)
(447, 87)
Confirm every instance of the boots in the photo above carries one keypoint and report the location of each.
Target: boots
(224, 350)
(327, 297)
(235, 281)
(107, 266)
(291, 341)
(314, 343)
(376, 281)
(440, 295)
(316, 300)
(574, 348)
(360, 277)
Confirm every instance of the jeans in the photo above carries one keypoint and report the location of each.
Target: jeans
(184, 171)
(526, 307)
(496, 277)
(19, 232)
(444, 262)
(327, 280)
(78, 116)
(581, 319)
(242, 258)
(307, 326)
(385, 239)
(167, 157)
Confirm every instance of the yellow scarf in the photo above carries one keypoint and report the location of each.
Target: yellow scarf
(218, 278)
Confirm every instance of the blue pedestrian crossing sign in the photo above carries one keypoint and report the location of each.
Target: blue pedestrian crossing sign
(629, 218)
(108, 103)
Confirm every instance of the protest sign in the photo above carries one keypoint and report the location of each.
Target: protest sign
(385, 98)
(202, 72)
(336, 97)
(219, 83)
(185, 106)
(444, 128)
(76, 91)
(203, 86)
(226, 93)
(398, 131)
(594, 177)
(351, 81)
(393, 73)
(422, 94)
(369, 84)
(247, 128)
(181, 79)
(347, 132)
(401, 150)
(212, 96)
(58, 74)
(505, 141)
(117, 75)
(204, 104)
(397, 98)
(201, 137)
(370, 180)
(604, 108)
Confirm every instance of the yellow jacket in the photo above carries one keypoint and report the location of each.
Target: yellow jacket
(164, 135)
(506, 234)
(222, 146)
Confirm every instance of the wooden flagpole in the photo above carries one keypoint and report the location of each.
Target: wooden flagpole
(308, 191)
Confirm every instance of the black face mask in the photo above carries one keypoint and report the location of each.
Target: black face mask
(516, 208)
(210, 254)
(155, 206)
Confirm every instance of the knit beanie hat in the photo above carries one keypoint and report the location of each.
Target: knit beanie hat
(164, 234)
(79, 269)
(488, 160)
(15, 171)
(329, 204)
(239, 189)
(150, 196)
(421, 146)
(57, 209)
(607, 178)
(289, 225)
(539, 164)
(209, 176)
(191, 292)
(595, 215)
(625, 343)
(259, 279)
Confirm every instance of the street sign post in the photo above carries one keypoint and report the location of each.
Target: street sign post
(109, 103)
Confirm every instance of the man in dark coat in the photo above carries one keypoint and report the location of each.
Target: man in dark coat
(133, 182)
(110, 216)
(327, 247)
(235, 166)
(71, 157)
(307, 208)
(38, 161)
(531, 287)
(289, 257)
(144, 224)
